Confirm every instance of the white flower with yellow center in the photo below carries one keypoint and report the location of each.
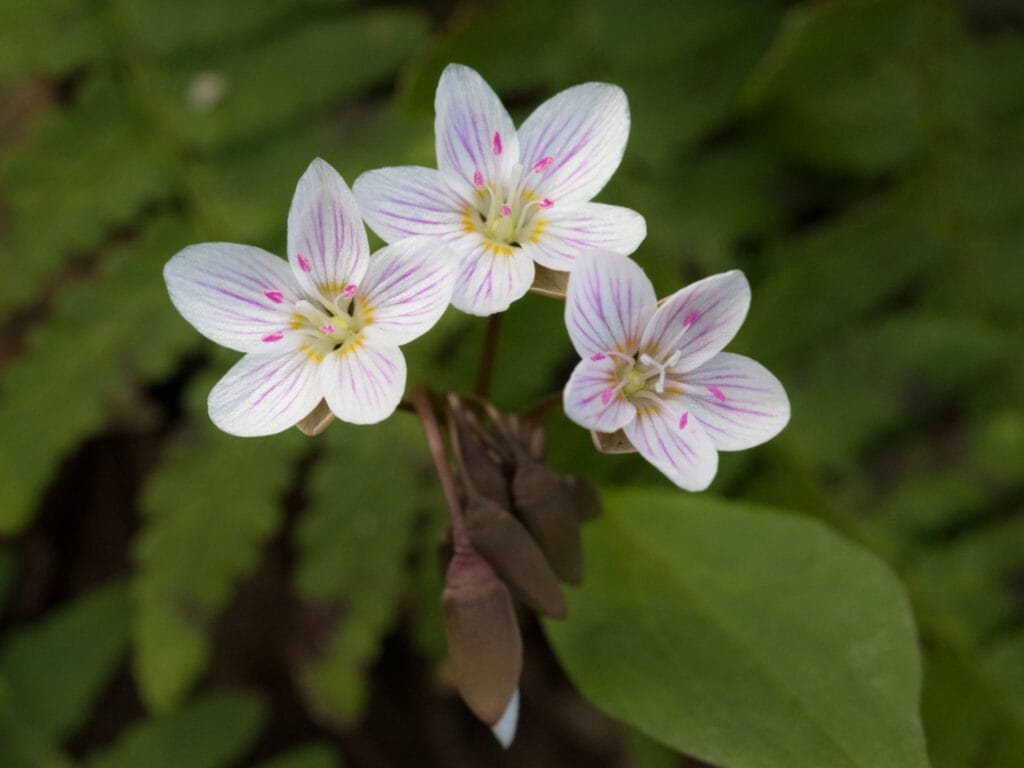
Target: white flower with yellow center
(656, 370)
(507, 200)
(326, 325)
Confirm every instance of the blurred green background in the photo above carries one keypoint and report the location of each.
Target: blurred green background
(171, 596)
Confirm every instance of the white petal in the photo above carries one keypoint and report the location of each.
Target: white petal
(564, 233)
(737, 400)
(363, 381)
(505, 729)
(674, 441)
(607, 304)
(589, 397)
(491, 276)
(265, 393)
(399, 202)
(235, 295)
(698, 320)
(327, 244)
(407, 288)
(583, 130)
(472, 129)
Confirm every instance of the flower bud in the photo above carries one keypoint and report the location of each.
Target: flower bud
(508, 546)
(585, 499)
(544, 503)
(317, 420)
(484, 645)
(480, 467)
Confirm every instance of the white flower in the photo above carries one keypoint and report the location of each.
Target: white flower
(326, 325)
(657, 372)
(504, 200)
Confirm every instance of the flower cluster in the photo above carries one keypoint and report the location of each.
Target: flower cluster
(506, 211)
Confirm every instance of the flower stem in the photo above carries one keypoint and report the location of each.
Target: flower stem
(486, 368)
(424, 407)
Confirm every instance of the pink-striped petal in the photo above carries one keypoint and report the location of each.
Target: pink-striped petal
(699, 320)
(583, 130)
(265, 393)
(407, 288)
(327, 244)
(673, 441)
(607, 304)
(235, 295)
(405, 201)
(491, 276)
(590, 398)
(738, 401)
(567, 232)
(472, 129)
(363, 381)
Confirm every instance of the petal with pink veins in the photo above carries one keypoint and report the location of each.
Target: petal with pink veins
(491, 275)
(738, 401)
(563, 233)
(327, 245)
(472, 129)
(407, 288)
(583, 130)
(363, 381)
(235, 295)
(404, 201)
(590, 398)
(699, 320)
(607, 303)
(265, 393)
(673, 441)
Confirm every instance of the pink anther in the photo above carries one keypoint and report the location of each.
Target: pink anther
(547, 202)
(496, 143)
(598, 356)
(716, 392)
(275, 336)
(543, 164)
(683, 419)
(275, 296)
(506, 209)
(304, 264)
(606, 396)
(350, 291)
(478, 179)
(691, 319)
(327, 328)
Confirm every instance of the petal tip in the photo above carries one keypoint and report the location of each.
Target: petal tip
(505, 729)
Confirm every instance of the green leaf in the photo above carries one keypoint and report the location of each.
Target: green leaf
(81, 366)
(210, 507)
(743, 636)
(840, 89)
(51, 673)
(290, 76)
(47, 36)
(212, 732)
(353, 546)
(310, 756)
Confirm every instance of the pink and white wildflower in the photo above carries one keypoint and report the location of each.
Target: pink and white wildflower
(507, 200)
(657, 372)
(325, 325)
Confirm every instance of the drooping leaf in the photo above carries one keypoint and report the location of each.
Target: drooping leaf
(766, 639)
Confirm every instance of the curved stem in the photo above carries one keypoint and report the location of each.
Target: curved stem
(424, 407)
(486, 369)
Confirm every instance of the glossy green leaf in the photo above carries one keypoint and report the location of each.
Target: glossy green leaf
(766, 639)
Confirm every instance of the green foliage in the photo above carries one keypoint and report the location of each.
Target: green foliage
(312, 756)
(51, 673)
(752, 622)
(208, 733)
(352, 549)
